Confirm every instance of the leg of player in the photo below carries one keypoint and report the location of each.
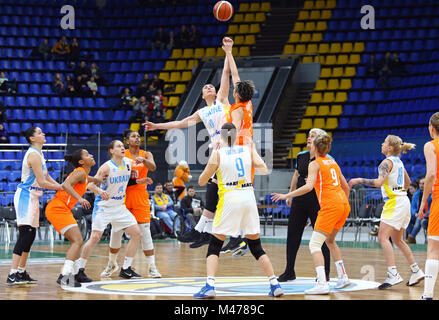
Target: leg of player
(67, 273)
(431, 267)
(18, 274)
(342, 277)
(115, 244)
(417, 274)
(318, 237)
(135, 235)
(204, 227)
(87, 249)
(148, 250)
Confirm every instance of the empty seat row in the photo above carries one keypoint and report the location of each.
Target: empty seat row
(58, 102)
(398, 34)
(71, 128)
(384, 23)
(136, 66)
(137, 54)
(18, 139)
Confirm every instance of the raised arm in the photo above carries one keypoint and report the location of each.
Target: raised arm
(210, 169)
(223, 91)
(431, 162)
(383, 171)
(227, 47)
(185, 123)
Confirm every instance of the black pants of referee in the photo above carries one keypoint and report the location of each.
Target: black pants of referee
(300, 211)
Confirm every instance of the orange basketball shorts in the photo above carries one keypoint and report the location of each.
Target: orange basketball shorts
(60, 216)
(332, 217)
(137, 202)
(433, 219)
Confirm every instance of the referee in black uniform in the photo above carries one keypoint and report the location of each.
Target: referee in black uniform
(302, 208)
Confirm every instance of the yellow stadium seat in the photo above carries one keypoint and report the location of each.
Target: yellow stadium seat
(336, 110)
(169, 88)
(260, 17)
(169, 65)
(310, 111)
(323, 110)
(295, 152)
(135, 126)
(175, 76)
(199, 53)
(347, 47)
(294, 37)
(220, 52)
(238, 18)
(300, 138)
(288, 49)
(300, 49)
(244, 7)
(337, 72)
(325, 14)
(333, 84)
(319, 123)
(255, 28)
(342, 59)
(354, 59)
(249, 17)
(186, 76)
(238, 40)
(243, 29)
(331, 4)
(176, 53)
(335, 47)
(321, 26)
(358, 47)
(305, 37)
(235, 51)
(328, 97)
(325, 73)
(341, 96)
(265, 6)
(331, 59)
(250, 39)
(319, 59)
(314, 15)
(331, 123)
(255, 6)
(173, 101)
(181, 65)
(306, 124)
(307, 59)
(164, 76)
(310, 26)
(188, 53)
(168, 114)
(244, 51)
(323, 47)
(210, 52)
(319, 4)
(232, 29)
(345, 84)
(179, 88)
(192, 63)
(309, 4)
(321, 85)
(299, 27)
(316, 97)
(311, 48)
(303, 15)
(316, 37)
(349, 72)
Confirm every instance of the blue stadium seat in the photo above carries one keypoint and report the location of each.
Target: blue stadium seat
(52, 114)
(51, 128)
(74, 128)
(14, 127)
(64, 115)
(76, 115)
(77, 102)
(55, 102)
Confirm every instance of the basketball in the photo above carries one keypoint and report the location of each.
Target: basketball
(223, 10)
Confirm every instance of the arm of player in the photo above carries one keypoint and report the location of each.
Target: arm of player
(68, 186)
(407, 180)
(148, 161)
(383, 171)
(102, 173)
(293, 184)
(223, 91)
(257, 162)
(313, 169)
(431, 162)
(344, 185)
(210, 169)
(34, 162)
(237, 117)
(227, 47)
(185, 123)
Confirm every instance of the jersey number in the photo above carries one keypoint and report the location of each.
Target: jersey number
(334, 177)
(400, 180)
(240, 167)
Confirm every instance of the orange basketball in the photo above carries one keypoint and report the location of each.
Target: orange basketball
(223, 10)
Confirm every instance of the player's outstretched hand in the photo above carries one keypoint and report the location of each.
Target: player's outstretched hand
(278, 196)
(149, 126)
(353, 182)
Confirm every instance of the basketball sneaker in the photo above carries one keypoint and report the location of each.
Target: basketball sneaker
(14, 279)
(319, 288)
(25, 277)
(426, 298)
(205, 292)
(153, 272)
(109, 269)
(275, 291)
(68, 280)
(204, 239)
(391, 280)
(82, 277)
(284, 277)
(342, 282)
(415, 278)
(242, 250)
(128, 273)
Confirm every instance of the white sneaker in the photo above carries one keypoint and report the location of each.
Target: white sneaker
(415, 278)
(391, 280)
(342, 282)
(319, 288)
(153, 272)
(109, 269)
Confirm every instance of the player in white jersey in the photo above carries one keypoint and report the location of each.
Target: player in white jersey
(34, 179)
(236, 209)
(395, 217)
(109, 207)
(213, 116)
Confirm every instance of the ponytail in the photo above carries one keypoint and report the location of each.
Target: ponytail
(74, 158)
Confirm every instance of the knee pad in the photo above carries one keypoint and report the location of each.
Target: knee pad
(255, 248)
(116, 239)
(215, 246)
(316, 242)
(146, 237)
(25, 239)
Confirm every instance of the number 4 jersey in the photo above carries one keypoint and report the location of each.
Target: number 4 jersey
(394, 184)
(328, 185)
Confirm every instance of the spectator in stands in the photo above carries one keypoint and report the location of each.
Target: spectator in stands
(4, 135)
(57, 84)
(7, 86)
(80, 86)
(384, 74)
(126, 99)
(193, 208)
(385, 61)
(141, 108)
(415, 222)
(97, 74)
(83, 71)
(157, 82)
(182, 39)
(93, 86)
(170, 191)
(75, 51)
(396, 65)
(171, 40)
(158, 117)
(61, 48)
(44, 50)
(412, 189)
(152, 91)
(164, 207)
(70, 86)
(159, 40)
(194, 37)
(372, 66)
(143, 85)
(3, 117)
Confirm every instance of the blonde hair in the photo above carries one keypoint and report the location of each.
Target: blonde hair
(398, 145)
(323, 143)
(434, 122)
(317, 131)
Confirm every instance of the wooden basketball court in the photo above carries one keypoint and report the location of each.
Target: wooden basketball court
(175, 260)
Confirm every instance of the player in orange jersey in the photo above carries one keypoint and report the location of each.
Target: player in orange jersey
(431, 152)
(332, 191)
(58, 210)
(137, 202)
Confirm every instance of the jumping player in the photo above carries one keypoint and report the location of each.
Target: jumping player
(332, 190)
(394, 181)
